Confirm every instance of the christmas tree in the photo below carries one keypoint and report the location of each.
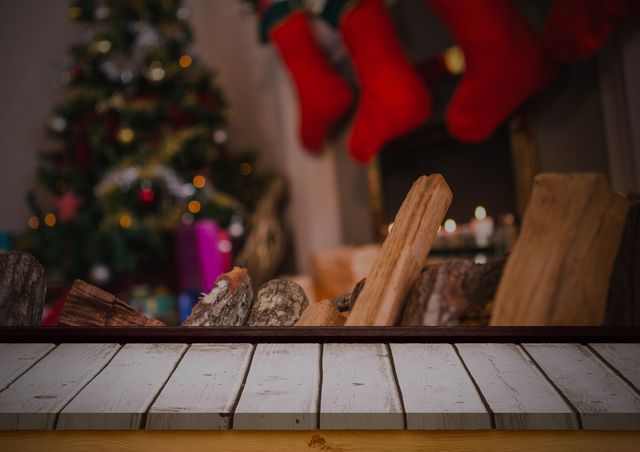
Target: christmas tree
(142, 147)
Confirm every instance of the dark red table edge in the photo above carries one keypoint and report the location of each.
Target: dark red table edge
(575, 334)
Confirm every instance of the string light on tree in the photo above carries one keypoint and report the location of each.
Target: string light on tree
(220, 136)
(245, 168)
(100, 274)
(58, 124)
(50, 219)
(103, 46)
(185, 61)
(194, 206)
(126, 135)
(155, 71)
(199, 181)
(33, 222)
(125, 221)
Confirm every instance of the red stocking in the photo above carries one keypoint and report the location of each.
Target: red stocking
(324, 97)
(393, 99)
(575, 29)
(506, 64)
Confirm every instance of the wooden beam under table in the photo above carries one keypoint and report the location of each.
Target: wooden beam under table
(317, 440)
(321, 335)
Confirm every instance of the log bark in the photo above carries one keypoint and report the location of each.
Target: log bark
(453, 292)
(321, 313)
(279, 303)
(228, 303)
(89, 305)
(623, 305)
(345, 302)
(559, 270)
(22, 289)
(403, 253)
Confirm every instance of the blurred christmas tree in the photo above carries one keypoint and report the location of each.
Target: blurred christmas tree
(142, 136)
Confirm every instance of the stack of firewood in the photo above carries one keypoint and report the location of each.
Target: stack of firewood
(559, 272)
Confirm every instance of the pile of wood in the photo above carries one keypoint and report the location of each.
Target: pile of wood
(557, 273)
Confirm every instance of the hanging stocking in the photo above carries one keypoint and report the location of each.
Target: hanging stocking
(323, 96)
(393, 99)
(575, 29)
(506, 64)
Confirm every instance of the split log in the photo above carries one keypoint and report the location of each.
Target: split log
(623, 305)
(22, 289)
(336, 271)
(456, 290)
(228, 303)
(321, 313)
(345, 302)
(559, 270)
(403, 253)
(89, 305)
(279, 303)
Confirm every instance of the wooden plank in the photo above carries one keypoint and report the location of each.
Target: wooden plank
(625, 358)
(15, 359)
(281, 391)
(119, 396)
(203, 389)
(403, 253)
(358, 388)
(517, 393)
(437, 391)
(322, 441)
(559, 270)
(34, 399)
(602, 399)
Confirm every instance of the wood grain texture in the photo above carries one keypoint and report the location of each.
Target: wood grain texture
(558, 272)
(517, 393)
(403, 253)
(625, 358)
(117, 398)
(323, 440)
(203, 389)
(321, 313)
(15, 359)
(602, 399)
(281, 390)
(22, 289)
(437, 391)
(359, 389)
(34, 399)
(88, 305)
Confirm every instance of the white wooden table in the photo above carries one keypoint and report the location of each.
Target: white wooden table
(320, 386)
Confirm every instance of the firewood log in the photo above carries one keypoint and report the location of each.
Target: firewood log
(451, 291)
(345, 302)
(89, 305)
(558, 272)
(321, 313)
(279, 303)
(22, 289)
(228, 303)
(403, 253)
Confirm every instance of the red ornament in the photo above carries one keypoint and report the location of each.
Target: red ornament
(147, 195)
(67, 205)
